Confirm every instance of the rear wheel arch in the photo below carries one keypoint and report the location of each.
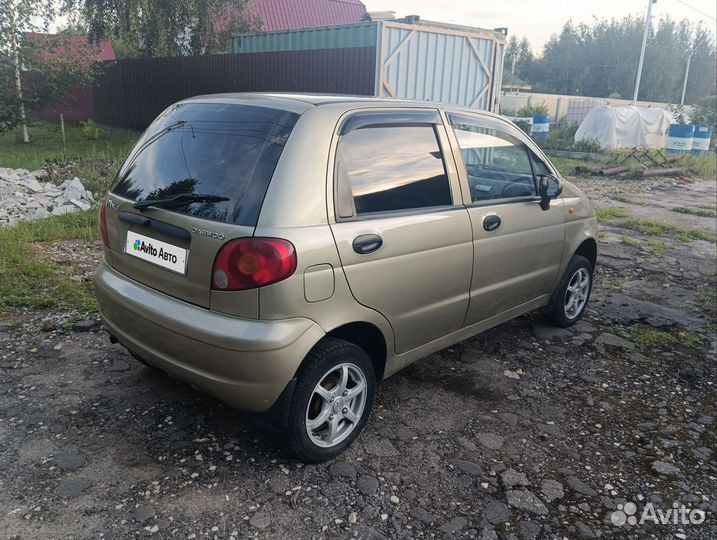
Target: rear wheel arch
(369, 338)
(324, 415)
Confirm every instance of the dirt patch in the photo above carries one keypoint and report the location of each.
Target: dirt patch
(521, 432)
(79, 259)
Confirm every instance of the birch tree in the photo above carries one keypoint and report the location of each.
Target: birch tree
(17, 17)
(166, 27)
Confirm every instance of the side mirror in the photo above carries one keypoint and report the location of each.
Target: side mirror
(549, 187)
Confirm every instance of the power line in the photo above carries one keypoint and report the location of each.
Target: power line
(697, 10)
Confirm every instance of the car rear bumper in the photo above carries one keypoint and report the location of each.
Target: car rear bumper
(245, 363)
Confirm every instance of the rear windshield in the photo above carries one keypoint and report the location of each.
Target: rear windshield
(222, 150)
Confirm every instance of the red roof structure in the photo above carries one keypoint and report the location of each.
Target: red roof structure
(280, 15)
(103, 49)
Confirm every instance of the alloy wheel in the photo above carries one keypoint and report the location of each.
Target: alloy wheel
(336, 405)
(576, 294)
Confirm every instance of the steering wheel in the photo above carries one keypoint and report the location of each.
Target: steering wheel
(515, 189)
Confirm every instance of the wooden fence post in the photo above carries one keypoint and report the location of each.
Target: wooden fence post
(62, 128)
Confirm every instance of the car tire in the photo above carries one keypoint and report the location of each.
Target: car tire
(332, 400)
(571, 297)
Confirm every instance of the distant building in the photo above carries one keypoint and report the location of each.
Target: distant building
(77, 106)
(287, 15)
(103, 49)
(514, 84)
(280, 15)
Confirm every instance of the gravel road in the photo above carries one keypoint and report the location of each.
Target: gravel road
(524, 432)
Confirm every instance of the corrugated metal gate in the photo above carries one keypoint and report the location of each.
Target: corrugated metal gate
(130, 93)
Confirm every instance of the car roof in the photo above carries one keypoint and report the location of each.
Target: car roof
(301, 102)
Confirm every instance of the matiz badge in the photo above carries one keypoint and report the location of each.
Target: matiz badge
(210, 234)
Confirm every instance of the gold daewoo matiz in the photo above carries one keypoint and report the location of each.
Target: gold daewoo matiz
(287, 252)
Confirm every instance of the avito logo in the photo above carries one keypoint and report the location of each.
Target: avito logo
(145, 248)
(679, 514)
(149, 249)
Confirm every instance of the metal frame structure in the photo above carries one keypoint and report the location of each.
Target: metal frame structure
(474, 56)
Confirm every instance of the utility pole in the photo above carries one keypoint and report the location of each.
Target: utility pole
(645, 32)
(684, 84)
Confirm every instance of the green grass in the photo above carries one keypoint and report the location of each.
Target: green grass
(648, 338)
(567, 165)
(668, 230)
(624, 199)
(703, 167)
(611, 213)
(708, 301)
(632, 242)
(615, 215)
(46, 146)
(26, 281)
(696, 166)
(658, 248)
(96, 174)
(621, 198)
(707, 304)
(701, 212)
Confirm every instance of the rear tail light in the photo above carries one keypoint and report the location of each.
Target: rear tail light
(103, 225)
(249, 263)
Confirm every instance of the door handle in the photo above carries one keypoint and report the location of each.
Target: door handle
(491, 222)
(367, 243)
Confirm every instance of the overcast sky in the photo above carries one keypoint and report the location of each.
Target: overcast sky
(538, 19)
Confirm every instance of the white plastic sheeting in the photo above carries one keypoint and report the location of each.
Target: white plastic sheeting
(625, 127)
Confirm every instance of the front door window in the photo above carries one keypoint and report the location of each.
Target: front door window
(498, 164)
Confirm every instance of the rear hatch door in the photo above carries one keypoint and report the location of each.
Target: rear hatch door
(196, 179)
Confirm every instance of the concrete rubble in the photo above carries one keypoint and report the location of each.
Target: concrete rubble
(24, 196)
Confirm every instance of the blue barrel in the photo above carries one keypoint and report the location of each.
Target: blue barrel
(679, 139)
(541, 127)
(701, 141)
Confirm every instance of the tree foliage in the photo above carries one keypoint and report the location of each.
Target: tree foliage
(601, 60)
(9, 102)
(16, 16)
(519, 55)
(51, 66)
(33, 73)
(511, 53)
(705, 112)
(54, 65)
(166, 27)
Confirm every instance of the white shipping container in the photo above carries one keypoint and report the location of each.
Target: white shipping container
(413, 59)
(442, 63)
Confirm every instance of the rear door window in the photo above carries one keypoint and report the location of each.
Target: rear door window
(392, 168)
(223, 150)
